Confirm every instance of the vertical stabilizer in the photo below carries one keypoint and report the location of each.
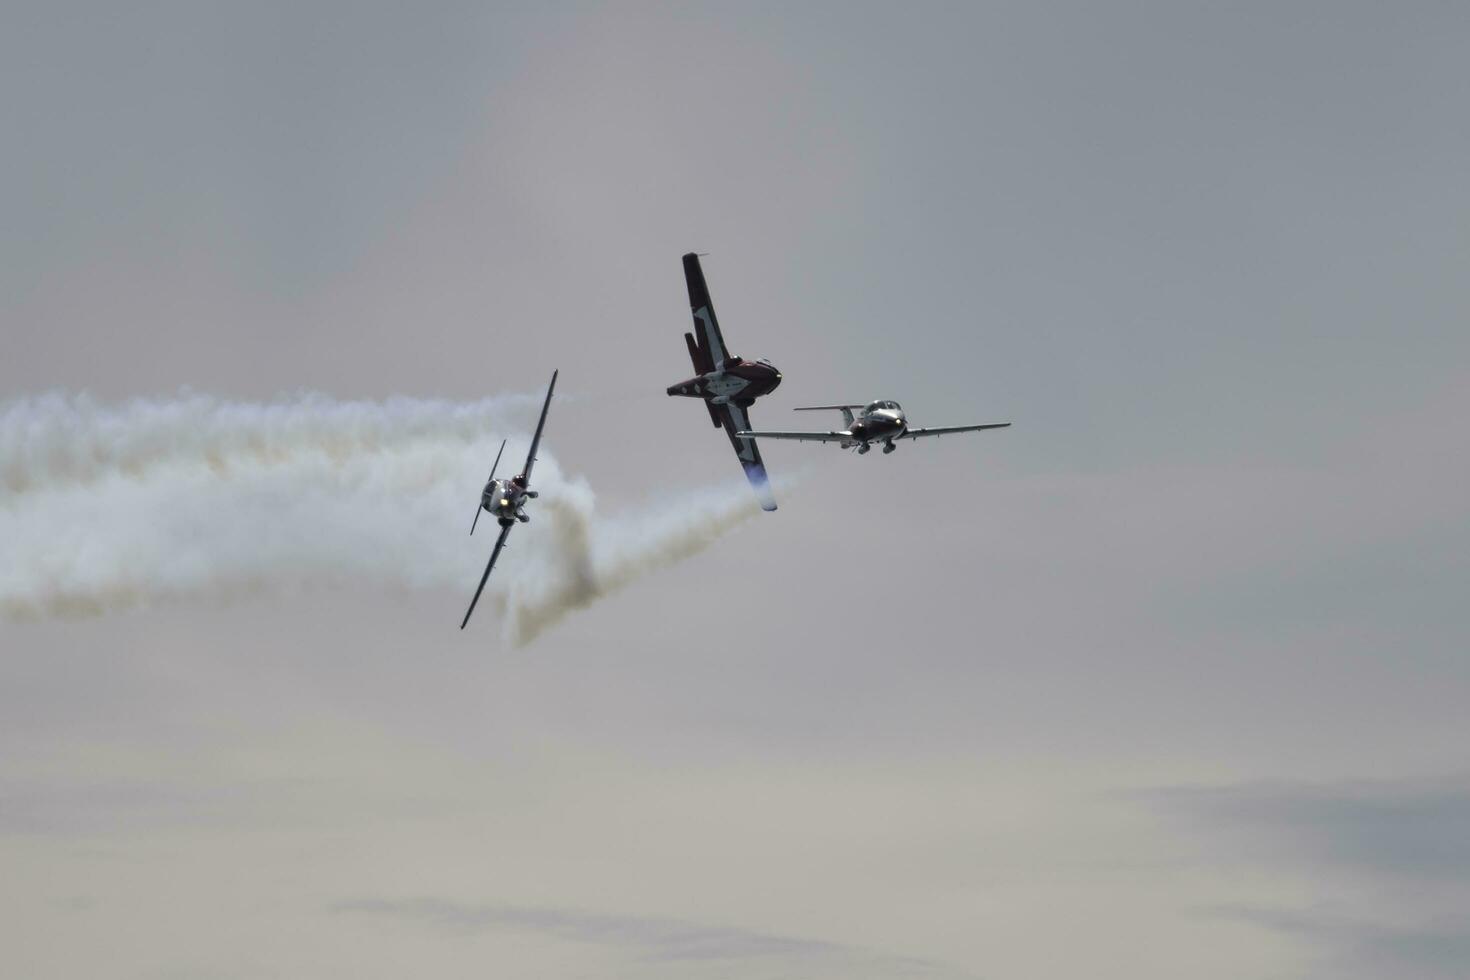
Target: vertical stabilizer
(846, 411)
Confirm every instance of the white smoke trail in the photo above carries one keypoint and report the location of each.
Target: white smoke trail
(58, 439)
(592, 559)
(103, 509)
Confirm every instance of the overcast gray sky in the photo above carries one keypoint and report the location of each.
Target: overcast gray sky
(1167, 680)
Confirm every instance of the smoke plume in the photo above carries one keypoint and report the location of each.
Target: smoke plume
(197, 499)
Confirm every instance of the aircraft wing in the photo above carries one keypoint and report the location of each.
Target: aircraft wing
(799, 436)
(499, 543)
(736, 421)
(536, 439)
(946, 430)
(706, 327)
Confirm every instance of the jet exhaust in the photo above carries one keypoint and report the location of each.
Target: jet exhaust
(197, 499)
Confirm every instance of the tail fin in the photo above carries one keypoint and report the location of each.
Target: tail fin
(698, 355)
(846, 411)
(702, 365)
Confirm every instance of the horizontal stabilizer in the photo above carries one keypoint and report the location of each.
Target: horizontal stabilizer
(846, 411)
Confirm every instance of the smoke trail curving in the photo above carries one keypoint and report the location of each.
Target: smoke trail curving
(593, 560)
(103, 509)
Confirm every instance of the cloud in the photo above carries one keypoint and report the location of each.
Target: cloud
(1385, 864)
(1368, 949)
(107, 807)
(1418, 828)
(654, 940)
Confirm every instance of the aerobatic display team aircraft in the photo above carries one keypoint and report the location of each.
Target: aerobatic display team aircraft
(728, 384)
(506, 499)
(881, 421)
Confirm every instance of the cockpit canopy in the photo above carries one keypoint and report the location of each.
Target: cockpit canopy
(881, 406)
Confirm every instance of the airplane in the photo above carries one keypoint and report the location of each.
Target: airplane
(506, 499)
(728, 384)
(881, 421)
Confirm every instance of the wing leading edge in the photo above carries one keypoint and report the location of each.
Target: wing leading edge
(798, 436)
(706, 326)
(499, 543)
(536, 439)
(947, 429)
(736, 421)
(841, 436)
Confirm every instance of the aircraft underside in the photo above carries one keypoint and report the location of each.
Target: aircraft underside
(727, 384)
(863, 447)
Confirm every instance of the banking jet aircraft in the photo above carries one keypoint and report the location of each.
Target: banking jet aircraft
(728, 384)
(881, 421)
(506, 499)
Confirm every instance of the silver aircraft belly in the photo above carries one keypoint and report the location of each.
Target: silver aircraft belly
(503, 499)
(724, 386)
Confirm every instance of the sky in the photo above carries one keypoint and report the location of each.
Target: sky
(1166, 679)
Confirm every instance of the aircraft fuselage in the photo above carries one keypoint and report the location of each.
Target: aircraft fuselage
(738, 381)
(879, 426)
(876, 425)
(505, 499)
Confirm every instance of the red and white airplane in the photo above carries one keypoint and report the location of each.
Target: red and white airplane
(728, 384)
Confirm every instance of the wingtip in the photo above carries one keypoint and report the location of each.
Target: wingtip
(760, 482)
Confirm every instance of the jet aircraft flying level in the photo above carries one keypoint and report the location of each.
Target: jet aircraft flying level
(729, 385)
(881, 422)
(506, 499)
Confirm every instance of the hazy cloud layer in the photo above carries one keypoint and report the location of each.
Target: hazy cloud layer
(656, 940)
(1414, 829)
(1209, 259)
(1355, 948)
(1388, 864)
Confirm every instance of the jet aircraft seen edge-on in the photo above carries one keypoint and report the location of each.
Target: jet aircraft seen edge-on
(881, 422)
(728, 384)
(506, 499)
